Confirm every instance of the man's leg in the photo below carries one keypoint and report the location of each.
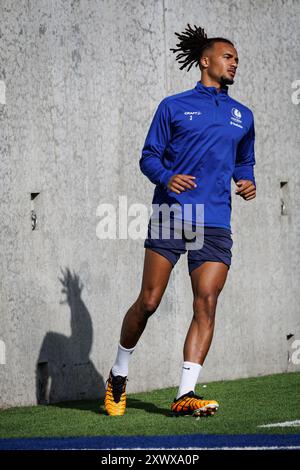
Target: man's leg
(157, 270)
(207, 283)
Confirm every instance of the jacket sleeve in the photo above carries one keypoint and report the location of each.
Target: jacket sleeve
(157, 139)
(245, 157)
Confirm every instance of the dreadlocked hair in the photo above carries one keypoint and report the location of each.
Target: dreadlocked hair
(192, 43)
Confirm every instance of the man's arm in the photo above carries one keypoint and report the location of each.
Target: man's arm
(157, 139)
(243, 174)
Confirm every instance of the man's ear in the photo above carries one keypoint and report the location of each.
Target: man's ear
(204, 62)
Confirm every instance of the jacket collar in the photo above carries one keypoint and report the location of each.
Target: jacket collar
(211, 90)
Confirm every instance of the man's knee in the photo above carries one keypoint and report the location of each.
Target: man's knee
(149, 302)
(205, 306)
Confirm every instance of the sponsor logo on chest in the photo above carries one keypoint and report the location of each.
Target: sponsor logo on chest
(236, 118)
(190, 114)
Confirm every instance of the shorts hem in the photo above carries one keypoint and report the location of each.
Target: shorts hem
(157, 251)
(211, 260)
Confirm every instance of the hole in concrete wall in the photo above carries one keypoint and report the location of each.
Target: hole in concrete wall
(2, 92)
(284, 198)
(2, 353)
(293, 353)
(42, 383)
(33, 197)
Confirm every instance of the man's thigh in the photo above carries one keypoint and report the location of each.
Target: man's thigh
(156, 274)
(209, 279)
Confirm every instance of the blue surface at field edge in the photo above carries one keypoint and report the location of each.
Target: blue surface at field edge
(197, 441)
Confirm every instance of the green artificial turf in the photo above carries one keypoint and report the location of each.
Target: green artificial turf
(244, 404)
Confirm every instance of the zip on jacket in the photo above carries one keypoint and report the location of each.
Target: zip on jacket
(206, 134)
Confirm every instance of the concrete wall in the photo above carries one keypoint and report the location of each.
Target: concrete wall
(79, 83)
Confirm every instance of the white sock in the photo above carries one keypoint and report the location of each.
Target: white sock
(120, 366)
(189, 376)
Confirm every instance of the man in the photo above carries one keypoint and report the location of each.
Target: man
(198, 140)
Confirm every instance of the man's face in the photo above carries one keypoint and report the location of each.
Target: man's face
(221, 61)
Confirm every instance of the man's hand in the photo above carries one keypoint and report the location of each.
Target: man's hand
(246, 189)
(179, 183)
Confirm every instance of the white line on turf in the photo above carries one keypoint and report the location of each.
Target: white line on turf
(286, 424)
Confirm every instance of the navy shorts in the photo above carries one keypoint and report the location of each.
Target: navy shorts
(217, 244)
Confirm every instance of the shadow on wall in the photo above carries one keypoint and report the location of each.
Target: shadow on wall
(64, 371)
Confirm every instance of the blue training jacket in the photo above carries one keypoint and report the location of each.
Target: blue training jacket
(206, 134)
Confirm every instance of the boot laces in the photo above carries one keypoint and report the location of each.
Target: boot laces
(118, 386)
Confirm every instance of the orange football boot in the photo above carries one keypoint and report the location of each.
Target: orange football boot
(115, 395)
(191, 404)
